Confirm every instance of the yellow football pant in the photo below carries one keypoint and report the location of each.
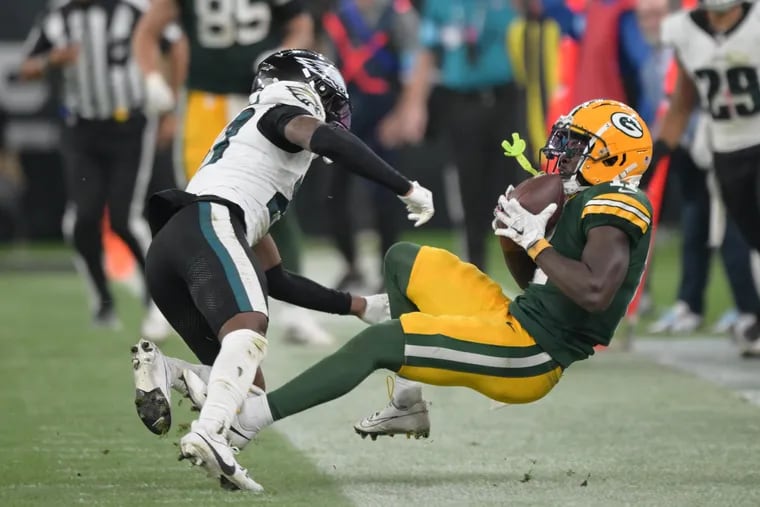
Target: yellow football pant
(463, 333)
(205, 116)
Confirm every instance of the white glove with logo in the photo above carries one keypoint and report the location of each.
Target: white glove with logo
(378, 309)
(520, 225)
(159, 97)
(419, 204)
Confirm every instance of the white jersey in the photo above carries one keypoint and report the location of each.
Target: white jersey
(251, 165)
(725, 69)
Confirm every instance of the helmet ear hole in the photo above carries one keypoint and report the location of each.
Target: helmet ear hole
(616, 160)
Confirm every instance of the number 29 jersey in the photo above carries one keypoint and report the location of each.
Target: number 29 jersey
(228, 36)
(724, 68)
(252, 164)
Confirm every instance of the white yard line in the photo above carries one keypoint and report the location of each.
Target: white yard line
(714, 359)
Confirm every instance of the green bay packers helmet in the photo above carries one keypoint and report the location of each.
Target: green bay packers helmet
(598, 141)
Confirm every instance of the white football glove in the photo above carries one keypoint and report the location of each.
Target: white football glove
(159, 97)
(419, 204)
(519, 224)
(378, 309)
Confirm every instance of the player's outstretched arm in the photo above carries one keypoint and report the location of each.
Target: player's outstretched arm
(351, 153)
(675, 121)
(306, 293)
(146, 48)
(593, 281)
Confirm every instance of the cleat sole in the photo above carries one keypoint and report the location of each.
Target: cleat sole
(154, 410)
(409, 434)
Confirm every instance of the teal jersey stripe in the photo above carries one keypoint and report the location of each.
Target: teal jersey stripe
(231, 272)
(444, 364)
(442, 341)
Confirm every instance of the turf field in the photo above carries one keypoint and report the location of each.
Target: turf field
(618, 430)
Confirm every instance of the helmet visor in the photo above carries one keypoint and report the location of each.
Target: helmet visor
(565, 151)
(338, 110)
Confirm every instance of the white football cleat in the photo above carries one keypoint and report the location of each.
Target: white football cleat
(239, 434)
(746, 333)
(153, 381)
(196, 388)
(726, 322)
(413, 421)
(302, 328)
(678, 319)
(211, 450)
(154, 326)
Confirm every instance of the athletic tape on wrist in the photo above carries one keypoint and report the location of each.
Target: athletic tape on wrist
(538, 247)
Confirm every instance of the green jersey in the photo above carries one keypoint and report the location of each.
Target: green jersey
(227, 37)
(562, 328)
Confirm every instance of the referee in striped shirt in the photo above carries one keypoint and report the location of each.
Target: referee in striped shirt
(108, 143)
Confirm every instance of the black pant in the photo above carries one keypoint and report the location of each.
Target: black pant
(738, 176)
(108, 164)
(201, 271)
(476, 125)
(695, 251)
(386, 208)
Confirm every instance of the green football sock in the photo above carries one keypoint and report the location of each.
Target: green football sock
(378, 346)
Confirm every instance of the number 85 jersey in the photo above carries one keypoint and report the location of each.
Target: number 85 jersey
(724, 68)
(228, 36)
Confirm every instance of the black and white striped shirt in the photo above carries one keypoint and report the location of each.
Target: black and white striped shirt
(104, 82)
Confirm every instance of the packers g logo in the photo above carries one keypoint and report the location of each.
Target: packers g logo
(627, 124)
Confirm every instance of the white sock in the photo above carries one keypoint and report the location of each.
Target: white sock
(406, 392)
(254, 415)
(231, 376)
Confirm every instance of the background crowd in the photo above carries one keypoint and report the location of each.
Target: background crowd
(436, 86)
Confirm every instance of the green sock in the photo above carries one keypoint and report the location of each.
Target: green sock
(287, 234)
(398, 268)
(378, 346)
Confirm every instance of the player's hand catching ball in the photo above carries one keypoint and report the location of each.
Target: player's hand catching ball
(520, 225)
(419, 204)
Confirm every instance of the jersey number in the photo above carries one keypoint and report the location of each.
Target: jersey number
(278, 204)
(222, 23)
(743, 91)
(232, 129)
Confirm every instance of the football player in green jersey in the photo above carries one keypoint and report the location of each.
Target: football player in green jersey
(451, 325)
(228, 38)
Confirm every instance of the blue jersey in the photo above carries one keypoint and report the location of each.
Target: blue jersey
(470, 36)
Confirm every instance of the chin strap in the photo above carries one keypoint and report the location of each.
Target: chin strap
(572, 186)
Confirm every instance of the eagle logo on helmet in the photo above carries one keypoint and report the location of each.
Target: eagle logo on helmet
(325, 70)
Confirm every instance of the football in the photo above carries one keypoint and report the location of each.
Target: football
(534, 195)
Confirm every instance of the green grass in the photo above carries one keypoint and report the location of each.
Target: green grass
(617, 430)
(69, 431)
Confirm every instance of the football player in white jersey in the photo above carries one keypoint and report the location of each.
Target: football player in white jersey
(716, 47)
(203, 274)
